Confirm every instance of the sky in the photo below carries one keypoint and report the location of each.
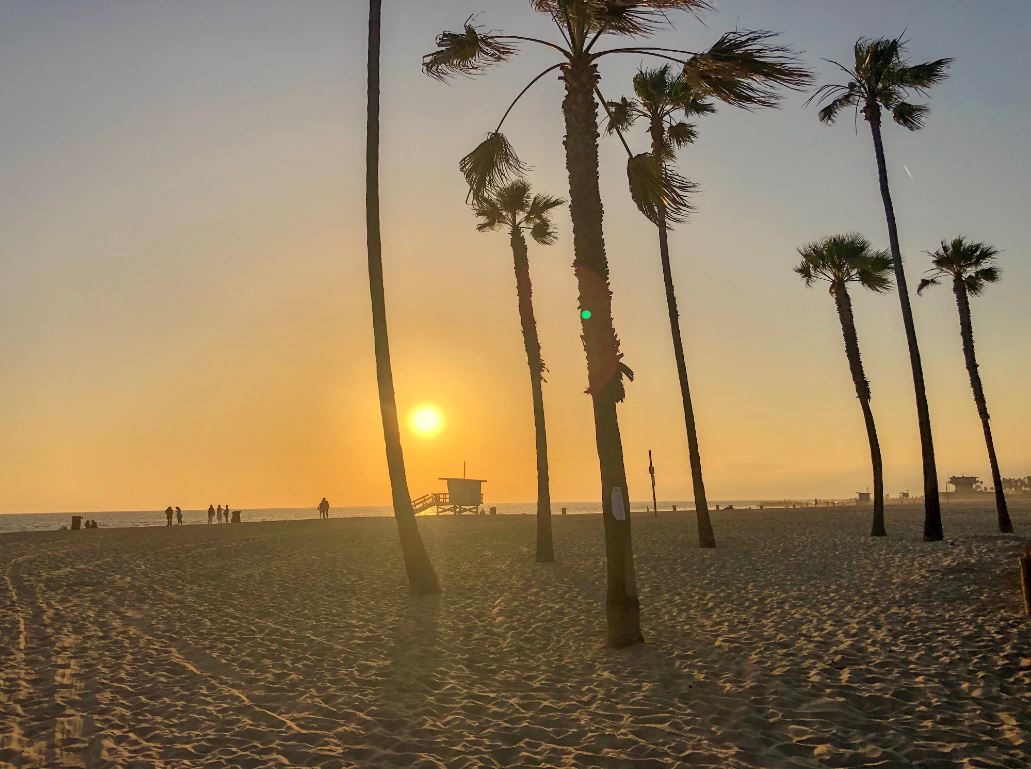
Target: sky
(184, 311)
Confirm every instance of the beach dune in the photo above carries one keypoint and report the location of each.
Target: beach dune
(798, 642)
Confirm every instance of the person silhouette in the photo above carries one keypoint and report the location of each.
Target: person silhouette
(178, 515)
(227, 514)
(168, 514)
(324, 508)
(211, 513)
(218, 512)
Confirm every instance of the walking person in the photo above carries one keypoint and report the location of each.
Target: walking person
(168, 514)
(324, 508)
(178, 515)
(211, 513)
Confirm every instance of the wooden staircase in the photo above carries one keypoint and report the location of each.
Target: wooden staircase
(426, 501)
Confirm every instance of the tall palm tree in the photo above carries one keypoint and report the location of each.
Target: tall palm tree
(882, 78)
(662, 97)
(516, 209)
(743, 64)
(971, 266)
(421, 577)
(840, 260)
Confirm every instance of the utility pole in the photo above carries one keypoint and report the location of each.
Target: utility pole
(651, 472)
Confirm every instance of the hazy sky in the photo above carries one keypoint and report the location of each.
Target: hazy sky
(184, 314)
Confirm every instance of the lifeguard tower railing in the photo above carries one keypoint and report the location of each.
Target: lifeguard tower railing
(442, 503)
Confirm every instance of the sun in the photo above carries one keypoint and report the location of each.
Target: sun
(426, 420)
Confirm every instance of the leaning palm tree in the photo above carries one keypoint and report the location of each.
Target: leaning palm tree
(421, 577)
(742, 64)
(662, 98)
(840, 260)
(515, 209)
(883, 79)
(971, 266)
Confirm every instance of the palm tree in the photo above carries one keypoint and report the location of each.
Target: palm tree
(840, 260)
(883, 79)
(971, 266)
(741, 64)
(421, 577)
(661, 96)
(515, 209)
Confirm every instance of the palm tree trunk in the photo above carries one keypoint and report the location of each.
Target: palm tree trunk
(421, 577)
(524, 293)
(966, 328)
(706, 536)
(932, 504)
(604, 367)
(855, 365)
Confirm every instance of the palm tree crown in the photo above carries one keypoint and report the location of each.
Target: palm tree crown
(662, 98)
(743, 68)
(882, 78)
(842, 259)
(960, 259)
(513, 206)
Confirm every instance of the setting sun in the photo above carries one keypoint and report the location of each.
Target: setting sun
(426, 420)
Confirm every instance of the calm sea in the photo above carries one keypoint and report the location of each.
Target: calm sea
(130, 518)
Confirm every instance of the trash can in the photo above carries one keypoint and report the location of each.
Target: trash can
(236, 517)
(76, 522)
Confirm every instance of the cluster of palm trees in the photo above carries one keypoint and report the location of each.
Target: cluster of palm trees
(882, 79)
(745, 69)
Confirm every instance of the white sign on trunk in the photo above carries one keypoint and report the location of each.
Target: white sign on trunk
(618, 511)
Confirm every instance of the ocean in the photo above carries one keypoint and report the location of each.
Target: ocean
(133, 518)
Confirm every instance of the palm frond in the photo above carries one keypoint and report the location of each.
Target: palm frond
(680, 135)
(467, 53)
(490, 215)
(927, 283)
(837, 98)
(743, 68)
(621, 115)
(514, 197)
(805, 270)
(656, 189)
(920, 77)
(911, 116)
(490, 165)
(541, 205)
(635, 19)
(543, 231)
(874, 271)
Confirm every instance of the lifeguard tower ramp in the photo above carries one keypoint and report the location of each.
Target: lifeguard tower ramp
(463, 495)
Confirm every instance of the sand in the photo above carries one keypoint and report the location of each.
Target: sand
(799, 642)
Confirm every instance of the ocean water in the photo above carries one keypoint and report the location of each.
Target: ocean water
(133, 518)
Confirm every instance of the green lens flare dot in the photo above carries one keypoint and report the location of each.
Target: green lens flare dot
(585, 314)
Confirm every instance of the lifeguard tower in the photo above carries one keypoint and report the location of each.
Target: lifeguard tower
(463, 495)
(966, 485)
(863, 497)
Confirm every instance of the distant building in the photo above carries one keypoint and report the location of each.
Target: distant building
(965, 485)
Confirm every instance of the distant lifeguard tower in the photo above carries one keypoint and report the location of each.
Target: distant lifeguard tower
(965, 485)
(463, 495)
(864, 497)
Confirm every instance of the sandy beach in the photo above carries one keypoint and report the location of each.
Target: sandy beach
(799, 642)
